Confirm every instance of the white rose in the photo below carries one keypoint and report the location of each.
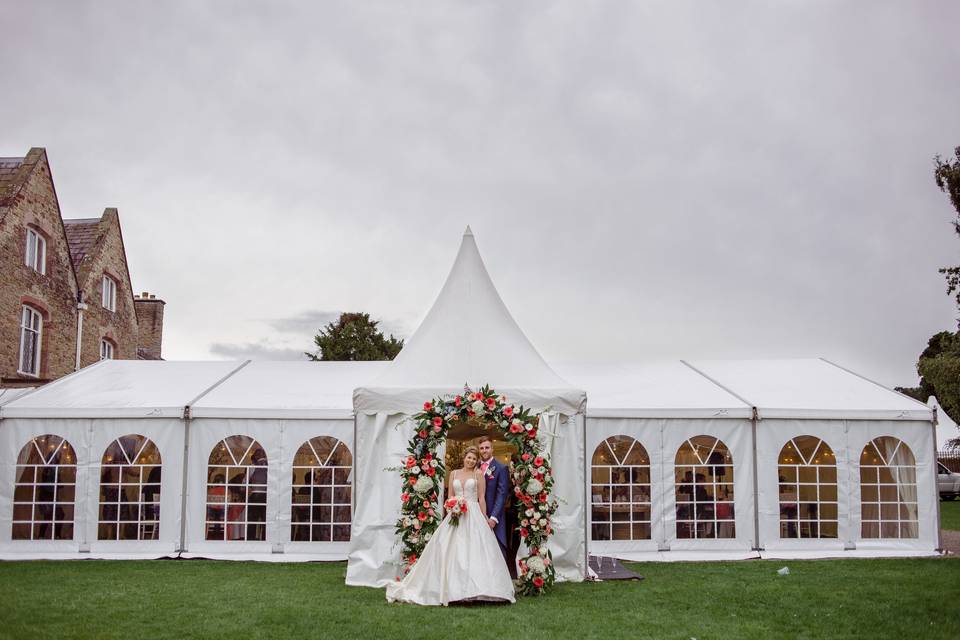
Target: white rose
(423, 485)
(414, 470)
(543, 522)
(540, 470)
(534, 487)
(427, 537)
(504, 423)
(529, 513)
(534, 527)
(543, 551)
(516, 421)
(536, 565)
(478, 407)
(433, 463)
(528, 426)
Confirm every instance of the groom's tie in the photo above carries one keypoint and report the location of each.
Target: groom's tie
(483, 467)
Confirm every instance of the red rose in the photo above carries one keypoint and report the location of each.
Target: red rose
(543, 497)
(463, 508)
(413, 480)
(508, 411)
(404, 496)
(538, 461)
(491, 403)
(471, 413)
(532, 433)
(525, 457)
(421, 516)
(426, 503)
(538, 582)
(427, 406)
(457, 401)
(411, 462)
(422, 434)
(431, 471)
(523, 532)
(515, 428)
(412, 558)
(438, 421)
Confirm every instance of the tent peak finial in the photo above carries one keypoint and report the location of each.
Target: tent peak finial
(468, 231)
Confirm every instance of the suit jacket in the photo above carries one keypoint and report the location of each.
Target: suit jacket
(495, 497)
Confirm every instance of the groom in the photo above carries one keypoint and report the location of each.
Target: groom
(495, 496)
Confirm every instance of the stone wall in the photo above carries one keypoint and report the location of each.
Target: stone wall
(53, 293)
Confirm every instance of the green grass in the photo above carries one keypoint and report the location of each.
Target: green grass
(950, 515)
(205, 599)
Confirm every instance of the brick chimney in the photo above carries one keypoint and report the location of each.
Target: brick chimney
(149, 310)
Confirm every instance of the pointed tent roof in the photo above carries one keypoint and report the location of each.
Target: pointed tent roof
(469, 337)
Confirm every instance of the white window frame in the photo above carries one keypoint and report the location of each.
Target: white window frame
(717, 492)
(604, 494)
(35, 255)
(106, 349)
(132, 473)
(236, 464)
(339, 493)
(109, 294)
(809, 481)
(60, 461)
(872, 484)
(31, 328)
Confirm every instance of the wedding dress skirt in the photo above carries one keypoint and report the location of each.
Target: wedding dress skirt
(460, 562)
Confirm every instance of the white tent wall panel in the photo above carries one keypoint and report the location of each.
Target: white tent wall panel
(90, 439)
(167, 435)
(772, 435)
(294, 433)
(662, 437)
(919, 436)
(381, 442)
(15, 433)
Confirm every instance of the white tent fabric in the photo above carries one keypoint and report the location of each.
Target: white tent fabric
(946, 427)
(467, 338)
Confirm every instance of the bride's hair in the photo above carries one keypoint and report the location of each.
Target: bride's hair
(469, 450)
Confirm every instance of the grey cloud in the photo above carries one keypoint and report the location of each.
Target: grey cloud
(254, 351)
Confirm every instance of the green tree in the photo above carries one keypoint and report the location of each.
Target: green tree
(354, 336)
(947, 176)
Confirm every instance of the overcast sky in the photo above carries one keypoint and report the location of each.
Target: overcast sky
(645, 181)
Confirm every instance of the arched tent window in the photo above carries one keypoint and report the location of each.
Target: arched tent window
(322, 476)
(237, 490)
(704, 478)
(45, 489)
(620, 490)
(807, 470)
(130, 490)
(888, 490)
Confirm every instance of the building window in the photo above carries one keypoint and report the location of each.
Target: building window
(888, 490)
(36, 254)
(704, 477)
(322, 490)
(106, 350)
(620, 490)
(109, 300)
(31, 324)
(237, 490)
(808, 489)
(44, 492)
(130, 490)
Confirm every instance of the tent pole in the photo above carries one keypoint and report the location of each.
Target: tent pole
(586, 503)
(181, 547)
(936, 490)
(756, 484)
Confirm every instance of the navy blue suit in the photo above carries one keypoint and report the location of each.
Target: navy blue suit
(495, 497)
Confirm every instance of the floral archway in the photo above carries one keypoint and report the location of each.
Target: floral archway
(423, 473)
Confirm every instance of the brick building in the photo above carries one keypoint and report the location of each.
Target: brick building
(66, 300)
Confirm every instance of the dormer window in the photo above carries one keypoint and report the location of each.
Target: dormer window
(109, 293)
(106, 350)
(36, 255)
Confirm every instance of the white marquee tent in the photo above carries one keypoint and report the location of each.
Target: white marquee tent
(666, 461)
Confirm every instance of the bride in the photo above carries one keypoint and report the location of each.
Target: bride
(461, 561)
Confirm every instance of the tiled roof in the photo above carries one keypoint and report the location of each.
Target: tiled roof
(82, 234)
(8, 174)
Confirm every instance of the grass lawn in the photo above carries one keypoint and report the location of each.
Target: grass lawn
(950, 515)
(206, 599)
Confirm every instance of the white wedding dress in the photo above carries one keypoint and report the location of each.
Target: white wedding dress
(461, 562)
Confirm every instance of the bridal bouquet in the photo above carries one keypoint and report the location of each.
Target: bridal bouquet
(456, 507)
